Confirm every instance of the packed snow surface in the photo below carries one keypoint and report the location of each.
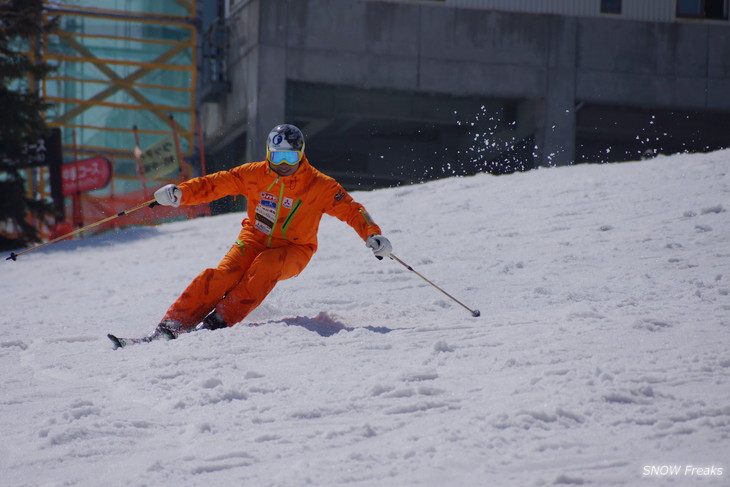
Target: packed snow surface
(600, 357)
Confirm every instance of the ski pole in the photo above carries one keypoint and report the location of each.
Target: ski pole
(474, 312)
(150, 204)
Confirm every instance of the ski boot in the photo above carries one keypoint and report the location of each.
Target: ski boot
(214, 322)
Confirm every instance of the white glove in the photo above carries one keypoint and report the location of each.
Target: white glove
(169, 195)
(381, 246)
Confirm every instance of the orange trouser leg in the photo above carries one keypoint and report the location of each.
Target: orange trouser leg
(269, 267)
(211, 286)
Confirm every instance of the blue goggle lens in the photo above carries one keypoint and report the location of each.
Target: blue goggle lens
(290, 157)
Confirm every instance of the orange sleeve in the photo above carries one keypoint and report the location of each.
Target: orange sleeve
(214, 186)
(344, 207)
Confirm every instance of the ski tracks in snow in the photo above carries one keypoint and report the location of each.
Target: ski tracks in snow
(602, 345)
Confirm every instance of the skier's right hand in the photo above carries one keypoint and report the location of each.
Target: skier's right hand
(169, 195)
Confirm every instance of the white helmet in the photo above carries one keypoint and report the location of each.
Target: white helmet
(285, 137)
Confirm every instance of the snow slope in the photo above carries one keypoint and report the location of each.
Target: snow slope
(601, 355)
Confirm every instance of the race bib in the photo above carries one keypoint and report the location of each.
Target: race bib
(266, 213)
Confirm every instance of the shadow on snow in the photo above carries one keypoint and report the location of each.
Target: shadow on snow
(324, 325)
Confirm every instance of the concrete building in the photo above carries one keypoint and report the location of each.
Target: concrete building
(398, 91)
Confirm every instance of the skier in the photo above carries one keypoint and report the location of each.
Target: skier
(286, 200)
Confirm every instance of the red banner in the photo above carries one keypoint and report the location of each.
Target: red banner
(85, 175)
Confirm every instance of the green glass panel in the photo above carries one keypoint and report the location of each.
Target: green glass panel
(125, 29)
(168, 77)
(183, 8)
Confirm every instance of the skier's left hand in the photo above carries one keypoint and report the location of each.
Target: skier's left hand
(381, 246)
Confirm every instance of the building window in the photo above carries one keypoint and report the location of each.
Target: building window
(610, 6)
(716, 9)
(703, 9)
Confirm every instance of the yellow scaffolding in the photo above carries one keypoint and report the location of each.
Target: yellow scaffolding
(122, 64)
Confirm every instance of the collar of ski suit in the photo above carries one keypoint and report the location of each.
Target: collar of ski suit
(303, 174)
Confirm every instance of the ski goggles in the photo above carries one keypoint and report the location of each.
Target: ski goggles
(291, 157)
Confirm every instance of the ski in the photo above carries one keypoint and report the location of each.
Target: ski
(119, 342)
(160, 333)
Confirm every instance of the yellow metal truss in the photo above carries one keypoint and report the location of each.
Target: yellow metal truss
(75, 50)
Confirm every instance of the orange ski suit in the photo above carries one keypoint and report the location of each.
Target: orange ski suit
(277, 240)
